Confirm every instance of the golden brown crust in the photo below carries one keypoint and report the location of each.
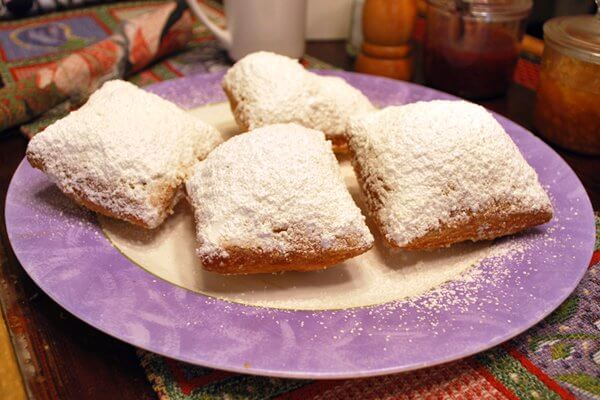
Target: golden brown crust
(339, 143)
(233, 104)
(35, 161)
(252, 261)
(162, 199)
(494, 221)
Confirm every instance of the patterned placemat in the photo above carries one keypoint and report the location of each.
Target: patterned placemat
(559, 358)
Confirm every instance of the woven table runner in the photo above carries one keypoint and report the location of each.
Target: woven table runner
(558, 359)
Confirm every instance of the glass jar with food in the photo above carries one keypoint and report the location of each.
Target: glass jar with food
(567, 110)
(471, 47)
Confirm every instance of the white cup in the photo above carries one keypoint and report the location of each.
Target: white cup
(254, 25)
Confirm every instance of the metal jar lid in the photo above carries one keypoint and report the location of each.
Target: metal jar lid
(578, 37)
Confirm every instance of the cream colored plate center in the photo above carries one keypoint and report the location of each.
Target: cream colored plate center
(375, 277)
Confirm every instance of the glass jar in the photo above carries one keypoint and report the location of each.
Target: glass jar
(567, 109)
(471, 47)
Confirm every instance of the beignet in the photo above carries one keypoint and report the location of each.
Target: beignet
(440, 172)
(125, 153)
(273, 200)
(266, 88)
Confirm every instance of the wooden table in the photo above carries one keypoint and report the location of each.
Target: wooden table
(59, 356)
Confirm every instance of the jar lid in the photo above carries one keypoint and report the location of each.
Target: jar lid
(487, 9)
(577, 36)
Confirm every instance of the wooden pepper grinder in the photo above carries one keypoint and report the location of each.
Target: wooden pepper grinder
(387, 31)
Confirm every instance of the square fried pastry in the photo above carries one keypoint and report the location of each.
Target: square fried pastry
(441, 172)
(273, 200)
(266, 88)
(125, 153)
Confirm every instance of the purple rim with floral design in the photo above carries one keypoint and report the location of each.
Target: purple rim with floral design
(64, 251)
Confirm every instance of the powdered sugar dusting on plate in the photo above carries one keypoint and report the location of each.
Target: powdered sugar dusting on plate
(378, 276)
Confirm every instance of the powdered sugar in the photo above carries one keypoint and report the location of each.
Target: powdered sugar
(268, 88)
(473, 272)
(432, 163)
(378, 276)
(125, 150)
(273, 189)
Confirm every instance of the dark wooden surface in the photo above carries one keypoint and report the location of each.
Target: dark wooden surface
(62, 357)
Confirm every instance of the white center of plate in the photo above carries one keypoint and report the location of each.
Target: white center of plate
(376, 277)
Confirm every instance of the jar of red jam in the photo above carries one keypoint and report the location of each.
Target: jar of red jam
(471, 47)
(567, 109)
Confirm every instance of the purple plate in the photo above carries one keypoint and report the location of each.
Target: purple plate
(65, 253)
